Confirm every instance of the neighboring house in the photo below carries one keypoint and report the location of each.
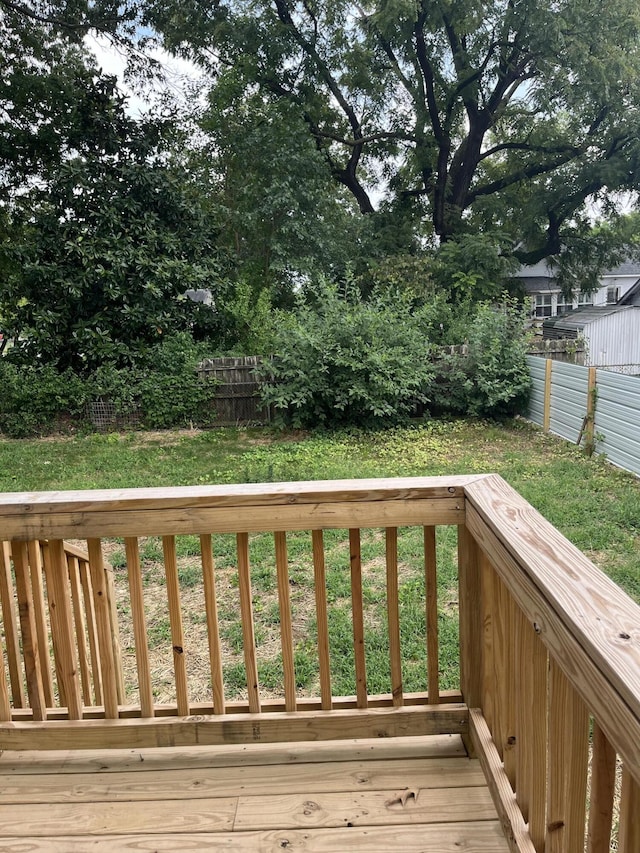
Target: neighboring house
(632, 296)
(611, 334)
(548, 301)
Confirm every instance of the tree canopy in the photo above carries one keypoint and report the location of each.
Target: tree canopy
(508, 114)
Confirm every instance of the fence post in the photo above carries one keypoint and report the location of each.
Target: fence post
(591, 412)
(546, 419)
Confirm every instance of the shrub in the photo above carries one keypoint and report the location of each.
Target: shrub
(165, 391)
(493, 379)
(34, 398)
(343, 361)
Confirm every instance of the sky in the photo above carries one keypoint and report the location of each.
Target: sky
(178, 74)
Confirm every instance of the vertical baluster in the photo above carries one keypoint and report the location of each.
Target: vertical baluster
(629, 831)
(286, 632)
(469, 596)
(393, 615)
(59, 594)
(5, 702)
(603, 780)
(504, 681)
(568, 758)
(48, 574)
(531, 728)
(213, 633)
(115, 633)
(35, 563)
(92, 630)
(488, 608)
(35, 689)
(431, 594)
(103, 621)
(175, 620)
(78, 617)
(246, 615)
(10, 625)
(358, 617)
(139, 626)
(320, 583)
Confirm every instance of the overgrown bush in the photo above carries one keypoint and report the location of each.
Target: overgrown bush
(164, 392)
(493, 379)
(32, 399)
(339, 360)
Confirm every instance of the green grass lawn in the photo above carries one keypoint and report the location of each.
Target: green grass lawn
(595, 505)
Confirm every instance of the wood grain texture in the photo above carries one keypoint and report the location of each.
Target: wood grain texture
(232, 519)
(136, 600)
(469, 596)
(175, 621)
(393, 614)
(513, 824)
(213, 631)
(39, 614)
(531, 728)
(357, 613)
(80, 627)
(235, 728)
(320, 590)
(236, 495)
(204, 782)
(568, 757)
(59, 594)
(92, 628)
(246, 616)
(102, 611)
(286, 632)
(293, 811)
(431, 592)
(117, 818)
(588, 624)
(481, 837)
(62, 762)
(601, 794)
(10, 627)
(629, 829)
(241, 706)
(30, 654)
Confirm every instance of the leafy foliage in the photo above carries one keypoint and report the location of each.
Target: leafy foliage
(164, 392)
(471, 116)
(344, 361)
(493, 378)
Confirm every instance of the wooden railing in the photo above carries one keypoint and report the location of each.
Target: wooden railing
(549, 649)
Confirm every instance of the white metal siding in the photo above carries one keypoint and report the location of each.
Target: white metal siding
(536, 399)
(617, 420)
(617, 410)
(568, 399)
(614, 339)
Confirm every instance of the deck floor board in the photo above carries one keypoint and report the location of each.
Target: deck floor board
(326, 797)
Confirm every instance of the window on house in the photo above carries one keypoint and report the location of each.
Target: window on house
(544, 305)
(613, 294)
(565, 303)
(585, 299)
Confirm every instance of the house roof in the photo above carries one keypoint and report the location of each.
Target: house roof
(632, 296)
(580, 317)
(542, 274)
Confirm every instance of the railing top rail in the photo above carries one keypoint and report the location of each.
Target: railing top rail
(590, 626)
(251, 494)
(388, 502)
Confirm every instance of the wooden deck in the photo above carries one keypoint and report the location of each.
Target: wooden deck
(406, 794)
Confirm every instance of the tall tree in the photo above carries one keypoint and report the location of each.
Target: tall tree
(515, 113)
